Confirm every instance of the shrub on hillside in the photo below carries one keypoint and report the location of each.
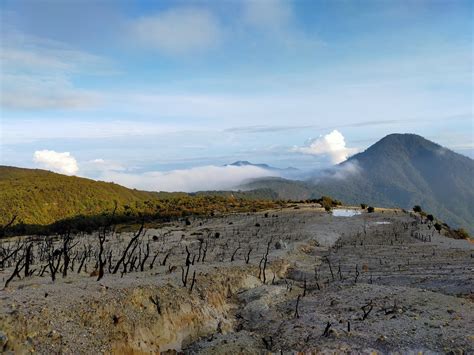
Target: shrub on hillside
(363, 206)
(327, 201)
(417, 209)
(370, 209)
(462, 233)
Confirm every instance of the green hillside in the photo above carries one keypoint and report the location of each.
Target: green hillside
(285, 189)
(42, 197)
(39, 197)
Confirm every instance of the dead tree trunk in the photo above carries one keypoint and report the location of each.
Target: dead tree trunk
(28, 259)
(145, 257)
(235, 252)
(326, 330)
(153, 260)
(367, 309)
(132, 241)
(184, 275)
(247, 259)
(164, 260)
(356, 274)
(102, 259)
(17, 270)
(330, 268)
(193, 281)
(297, 315)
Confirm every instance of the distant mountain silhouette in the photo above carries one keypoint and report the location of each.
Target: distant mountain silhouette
(400, 170)
(263, 166)
(289, 173)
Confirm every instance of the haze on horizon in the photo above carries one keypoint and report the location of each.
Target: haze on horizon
(165, 94)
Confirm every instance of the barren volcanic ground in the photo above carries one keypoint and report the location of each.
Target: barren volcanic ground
(288, 280)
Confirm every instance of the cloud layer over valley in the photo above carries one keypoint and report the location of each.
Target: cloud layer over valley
(200, 178)
(190, 180)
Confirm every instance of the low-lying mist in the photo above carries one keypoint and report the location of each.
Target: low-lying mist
(209, 177)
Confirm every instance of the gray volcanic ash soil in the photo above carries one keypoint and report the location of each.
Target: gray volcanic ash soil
(289, 280)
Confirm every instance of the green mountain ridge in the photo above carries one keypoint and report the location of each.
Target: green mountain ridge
(41, 198)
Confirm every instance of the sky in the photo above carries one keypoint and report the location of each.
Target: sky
(162, 95)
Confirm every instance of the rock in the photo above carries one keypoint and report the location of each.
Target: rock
(54, 335)
(3, 340)
(334, 333)
(32, 335)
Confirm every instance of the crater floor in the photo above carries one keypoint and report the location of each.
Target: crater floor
(287, 280)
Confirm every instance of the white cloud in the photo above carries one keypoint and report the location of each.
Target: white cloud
(49, 58)
(345, 170)
(40, 92)
(63, 163)
(37, 74)
(97, 167)
(22, 131)
(178, 31)
(332, 145)
(337, 172)
(271, 14)
(276, 20)
(189, 180)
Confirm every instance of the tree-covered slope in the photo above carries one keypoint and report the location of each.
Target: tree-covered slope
(39, 198)
(285, 189)
(42, 197)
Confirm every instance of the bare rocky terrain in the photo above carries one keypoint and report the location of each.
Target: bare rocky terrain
(296, 279)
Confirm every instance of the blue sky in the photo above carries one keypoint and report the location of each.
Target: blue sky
(150, 93)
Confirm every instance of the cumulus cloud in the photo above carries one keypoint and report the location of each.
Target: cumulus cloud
(189, 180)
(332, 145)
(63, 163)
(177, 31)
